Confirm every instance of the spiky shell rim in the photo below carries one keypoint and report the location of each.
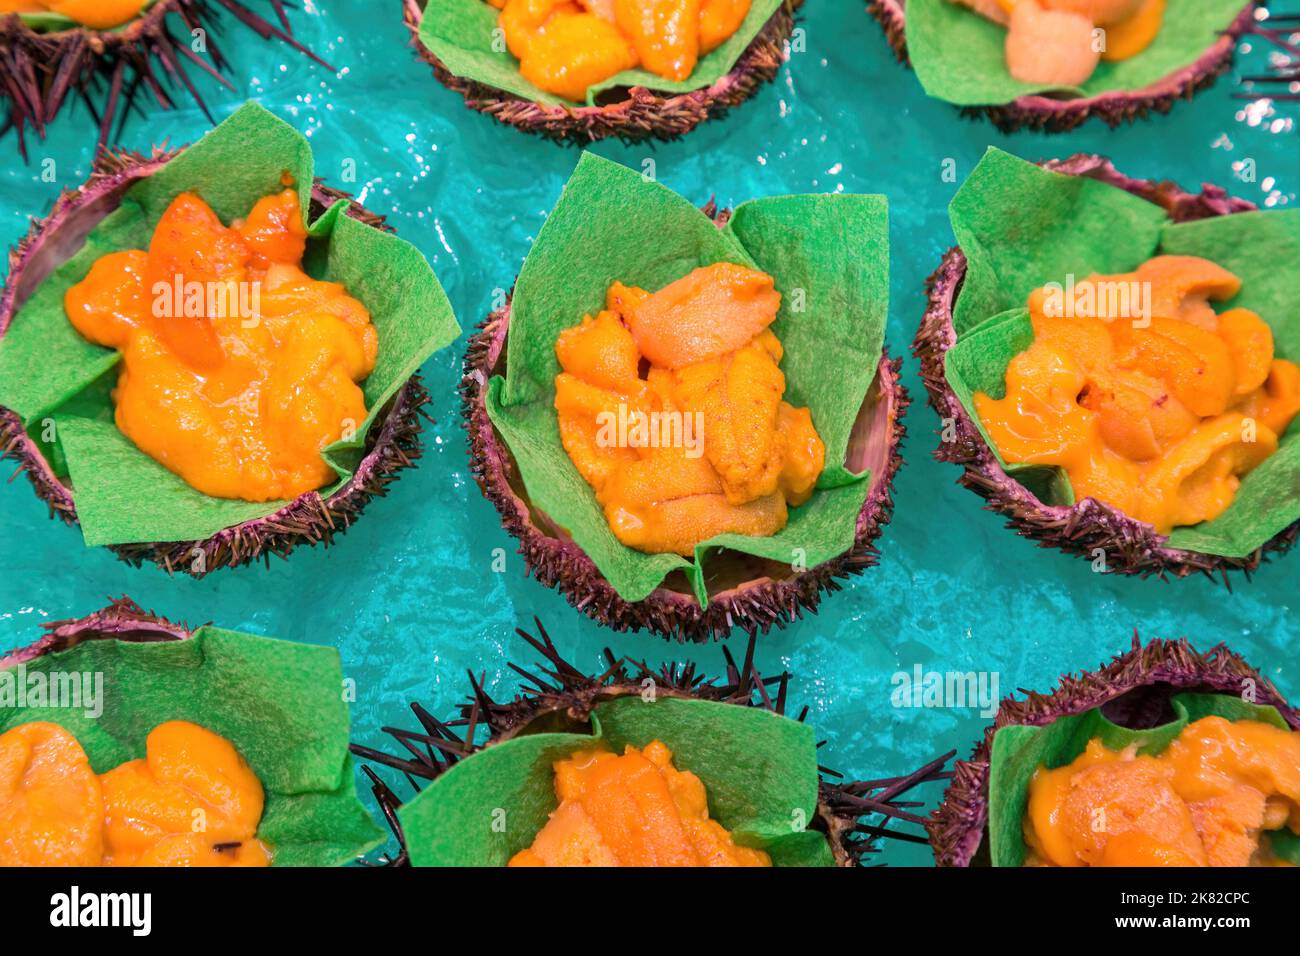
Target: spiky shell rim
(559, 689)
(644, 114)
(959, 826)
(393, 443)
(122, 620)
(1129, 546)
(754, 604)
(1051, 115)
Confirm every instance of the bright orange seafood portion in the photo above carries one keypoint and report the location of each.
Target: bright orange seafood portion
(1150, 400)
(566, 47)
(1209, 799)
(51, 808)
(636, 809)
(238, 367)
(671, 407)
(192, 801)
(96, 14)
(1061, 42)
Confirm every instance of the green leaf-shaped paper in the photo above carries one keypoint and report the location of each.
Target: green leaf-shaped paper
(48, 371)
(280, 703)
(1021, 226)
(829, 254)
(1019, 750)
(959, 55)
(759, 768)
(460, 33)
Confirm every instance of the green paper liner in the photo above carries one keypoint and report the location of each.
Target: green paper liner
(122, 495)
(280, 703)
(1063, 224)
(959, 56)
(611, 223)
(460, 34)
(759, 768)
(1019, 750)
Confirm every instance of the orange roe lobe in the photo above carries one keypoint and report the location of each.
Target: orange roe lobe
(1159, 415)
(566, 47)
(192, 801)
(671, 408)
(636, 809)
(1061, 42)
(1208, 800)
(51, 807)
(238, 367)
(96, 14)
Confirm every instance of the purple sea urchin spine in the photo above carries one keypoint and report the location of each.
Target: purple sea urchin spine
(557, 691)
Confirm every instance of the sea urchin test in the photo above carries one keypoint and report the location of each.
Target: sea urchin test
(191, 801)
(566, 47)
(1150, 400)
(237, 366)
(1060, 42)
(636, 809)
(1210, 799)
(713, 448)
(96, 14)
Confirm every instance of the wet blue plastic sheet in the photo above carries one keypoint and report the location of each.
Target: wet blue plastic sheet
(410, 595)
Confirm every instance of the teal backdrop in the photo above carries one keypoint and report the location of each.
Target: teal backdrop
(409, 596)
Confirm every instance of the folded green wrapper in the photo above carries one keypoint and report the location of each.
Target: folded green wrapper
(959, 56)
(122, 495)
(280, 703)
(759, 768)
(1021, 226)
(613, 224)
(460, 33)
(1019, 750)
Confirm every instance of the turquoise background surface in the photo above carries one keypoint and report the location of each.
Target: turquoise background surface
(409, 595)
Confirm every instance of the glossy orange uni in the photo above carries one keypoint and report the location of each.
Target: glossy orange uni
(567, 46)
(1148, 399)
(237, 367)
(636, 809)
(670, 407)
(1210, 799)
(192, 801)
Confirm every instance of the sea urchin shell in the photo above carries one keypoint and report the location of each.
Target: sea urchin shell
(559, 697)
(744, 591)
(122, 620)
(1053, 115)
(1088, 527)
(631, 115)
(392, 443)
(1134, 689)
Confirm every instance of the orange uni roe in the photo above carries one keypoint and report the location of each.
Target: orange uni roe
(1056, 42)
(96, 14)
(670, 407)
(192, 801)
(1209, 799)
(636, 809)
(51, 806)
(238, 367)
(567, 46)
(1157, 408)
